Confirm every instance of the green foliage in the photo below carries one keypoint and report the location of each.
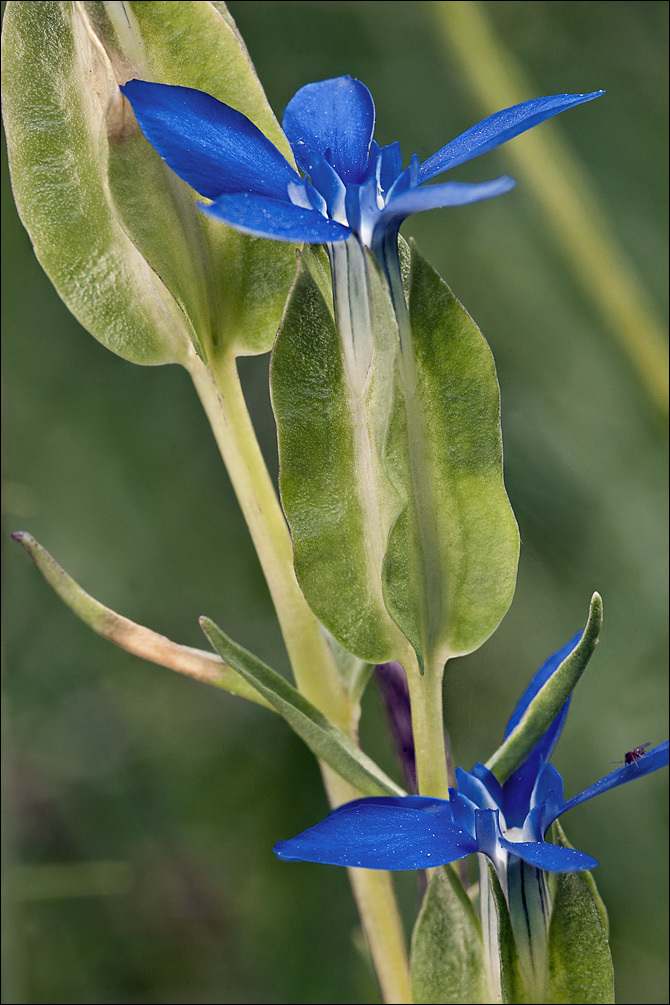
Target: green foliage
(580, 963)
(136, 638)
(335, 491)
(394, 495)
(447, 962)
(450, 568)
(118, 234)
(327, 741)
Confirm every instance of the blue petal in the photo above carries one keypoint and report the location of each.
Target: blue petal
(329, 184)
(499, 128)
(211, 146)
(652, 761)
(280, 221)
(452, 193)
(376, 834)
(550, 857)
(335, 119)
(546, 802)
(390, 165)
(494, 787)
(535, 825)
(549, 783)
(518, 789)
(476, 790)
(428, 804)
(489, 835)
(463, 811)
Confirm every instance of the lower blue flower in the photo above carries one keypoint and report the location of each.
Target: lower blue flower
(507, 823)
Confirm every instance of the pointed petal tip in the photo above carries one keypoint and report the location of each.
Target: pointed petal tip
(551, 857)
(282, 851)
(498, 128)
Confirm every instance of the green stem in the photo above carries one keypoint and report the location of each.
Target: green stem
(313, 665)
(425, 692)
(315, 671)
(377, 906)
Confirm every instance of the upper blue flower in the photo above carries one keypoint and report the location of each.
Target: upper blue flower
(351, 185)
(501, 821)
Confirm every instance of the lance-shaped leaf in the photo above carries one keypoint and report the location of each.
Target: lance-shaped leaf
(118, 234)
(332, 392)
(134, 638)
(327, 741)
(450, 568)
(447, 962)
(549, 700)
(580, 962)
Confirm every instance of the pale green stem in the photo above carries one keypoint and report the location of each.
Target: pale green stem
(425, 692)
(314, 669)
(376, 901)
(564, 192)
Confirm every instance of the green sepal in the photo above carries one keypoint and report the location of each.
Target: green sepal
(447, 959)
(549, 700)
(134, 638)
(327, 741)
(332, 403)
(503, 949)
(450, 567)
(580, 962)
(118, 234)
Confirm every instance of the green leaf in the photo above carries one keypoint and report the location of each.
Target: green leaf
(580, 963)
(447, 960)
(559, 837)
(332, 396)
(232, 286)
(549, 700)
(354, 672)
(134, 638)
(327, 741)
(118, 233)
(450, 568)
(502, 942)
(55, 90)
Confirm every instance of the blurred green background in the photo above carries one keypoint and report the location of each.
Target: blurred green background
(140, 807)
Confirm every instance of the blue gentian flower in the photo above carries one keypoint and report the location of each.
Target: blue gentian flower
(351, 186)
(507, 823)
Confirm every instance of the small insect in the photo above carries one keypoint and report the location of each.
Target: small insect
(634, 755)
